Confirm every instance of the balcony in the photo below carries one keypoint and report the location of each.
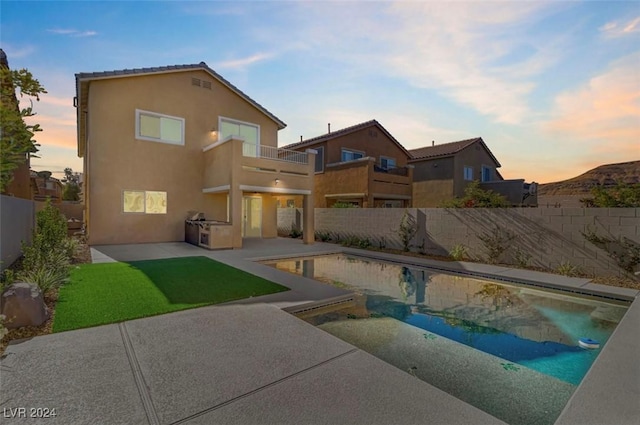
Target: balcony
(270, 152)
(234, 161)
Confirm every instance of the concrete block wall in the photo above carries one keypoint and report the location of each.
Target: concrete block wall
(550, 236)
(17, 219)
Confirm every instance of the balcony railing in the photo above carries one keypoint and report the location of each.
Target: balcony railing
(397, 171)
(278, 154)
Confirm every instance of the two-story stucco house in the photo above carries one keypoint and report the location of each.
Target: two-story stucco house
(160, 144)
(443, 171)
(362, 165)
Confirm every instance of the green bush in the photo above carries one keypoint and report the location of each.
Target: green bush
(47, 270)
(620, 196)
(475, 197)
(458, 252)
(567, 269)
(51, 228)
(341, 204)
(407, 230)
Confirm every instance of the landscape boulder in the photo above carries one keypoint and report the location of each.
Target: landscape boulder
(23, 305)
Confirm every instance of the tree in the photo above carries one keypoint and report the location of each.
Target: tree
(475, 197)
(16, 136)
(72, 185)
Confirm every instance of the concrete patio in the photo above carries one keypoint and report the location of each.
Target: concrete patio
(250, 362)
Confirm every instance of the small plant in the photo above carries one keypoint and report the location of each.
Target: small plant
(382, 243)
(567, 269)
(458, 252)
(495, 243)
(3, 329)
(48, 271)
(341, 204)
(8, 277)
(364, 243)
(295, 232)
(323, 236)
(407, 230)
(521, 257)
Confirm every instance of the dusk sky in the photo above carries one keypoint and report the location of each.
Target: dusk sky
(553, 88)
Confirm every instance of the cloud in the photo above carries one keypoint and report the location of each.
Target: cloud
(479, 54)
(72, 32)
(604, 114)
(619, 28)
(17, 52)
(243, 62)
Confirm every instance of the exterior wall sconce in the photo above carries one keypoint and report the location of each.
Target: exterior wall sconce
(277, 181)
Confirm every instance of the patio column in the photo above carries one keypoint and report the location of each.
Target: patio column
(308, 220)
(235, 194)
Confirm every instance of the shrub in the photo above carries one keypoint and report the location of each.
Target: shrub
(341, 204)
(620, 196)
(624, 251)
(3, 329)
(475, 197)
(521, 257)
(323, 236)
(407, 230)
(458, 252)
(495, 243)
(567, 269)
(51, 228)
(47, 270)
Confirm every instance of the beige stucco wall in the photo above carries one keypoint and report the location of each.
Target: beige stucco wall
(431, 193)
(117, 161)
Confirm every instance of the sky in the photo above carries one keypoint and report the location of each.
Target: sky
(553, 88)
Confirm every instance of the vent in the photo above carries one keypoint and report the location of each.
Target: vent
(195, 82)
(206, 85)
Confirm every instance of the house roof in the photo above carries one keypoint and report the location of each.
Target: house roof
(448, 149)
(83, 79)
(343, 132)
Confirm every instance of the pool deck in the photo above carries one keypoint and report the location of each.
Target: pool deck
(250, 362)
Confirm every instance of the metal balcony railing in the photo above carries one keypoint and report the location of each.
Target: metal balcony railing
(278, 154)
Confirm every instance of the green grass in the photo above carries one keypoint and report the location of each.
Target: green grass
(104, 293)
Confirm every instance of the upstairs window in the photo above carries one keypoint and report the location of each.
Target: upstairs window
(155, 127)
(468, 173)
(320, 160)
(387, 163)
(486, 174)
(351, 155)
(250, 133)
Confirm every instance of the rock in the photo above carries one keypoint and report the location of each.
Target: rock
(23, 305)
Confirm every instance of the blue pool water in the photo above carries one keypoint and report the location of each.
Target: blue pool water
(531, 327)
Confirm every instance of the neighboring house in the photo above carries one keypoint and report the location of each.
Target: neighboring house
(362, 165)
(44, 186)
(160, 144)
(442, 172)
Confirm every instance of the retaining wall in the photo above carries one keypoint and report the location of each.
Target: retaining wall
(551, 236)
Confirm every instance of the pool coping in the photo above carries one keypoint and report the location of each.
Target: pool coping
(615, 374)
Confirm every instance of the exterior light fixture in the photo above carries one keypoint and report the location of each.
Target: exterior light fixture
(277, 181)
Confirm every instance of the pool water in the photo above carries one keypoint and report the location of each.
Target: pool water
(467, 325)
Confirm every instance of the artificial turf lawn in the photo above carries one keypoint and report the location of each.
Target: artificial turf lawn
(98, 294)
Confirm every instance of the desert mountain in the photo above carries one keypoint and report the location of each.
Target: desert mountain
(605, 175)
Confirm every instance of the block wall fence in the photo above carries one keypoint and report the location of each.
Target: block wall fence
(17, 218)
(551, 236)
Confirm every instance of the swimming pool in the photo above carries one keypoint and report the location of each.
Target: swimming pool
(508, 349)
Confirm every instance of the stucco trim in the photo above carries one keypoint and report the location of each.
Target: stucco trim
(345, 195)
(217, 189)
(281, 190)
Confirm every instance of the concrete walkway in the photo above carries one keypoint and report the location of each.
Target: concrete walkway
(249, 362)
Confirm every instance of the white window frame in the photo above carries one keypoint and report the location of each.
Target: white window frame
(239, 122)
(144, 200)
(158, 115)
(395, 164)
(468, 177)
(318, 150)
(343, 150)
(485, 167)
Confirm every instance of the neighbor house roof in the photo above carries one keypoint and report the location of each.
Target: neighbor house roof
(83, 79)
(448, 149)
(343, 132)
